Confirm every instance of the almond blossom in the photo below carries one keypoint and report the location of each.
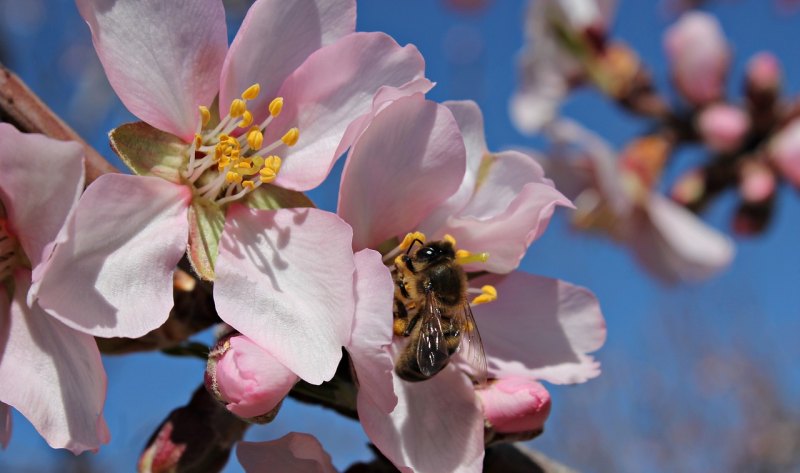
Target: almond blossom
(419, 165)
(549, 68)
(52, 373)
(215, 183)
(619, 199)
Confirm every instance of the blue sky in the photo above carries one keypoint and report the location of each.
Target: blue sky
(659, 360)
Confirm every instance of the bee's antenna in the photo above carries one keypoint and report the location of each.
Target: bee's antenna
(416, 240)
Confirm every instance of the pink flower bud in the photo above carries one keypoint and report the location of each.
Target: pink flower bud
(723, 127)
(764, 73)
(756, 182)
(699, 56)
(247, 379)
(514, 404)
(784, 151)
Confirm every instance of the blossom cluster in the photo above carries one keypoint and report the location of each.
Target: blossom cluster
(750, 144)
(229, 139)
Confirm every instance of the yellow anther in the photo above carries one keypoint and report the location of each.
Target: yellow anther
(205, 115)
(272, 164)
(410, 239)
(488, 294)
(238, 108)
(232, 142)
(247, 119)
(251, 92)
(276, 106)
(249, 185)
(198, 140)
(291, 137)
(257, 161)
(255, 138)
(243, 165)
(449, 238)
(233, 177)
(465, 257)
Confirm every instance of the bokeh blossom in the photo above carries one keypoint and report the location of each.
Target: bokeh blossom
(214, 184)
(419, 165)
(51, 372)
(561, 36)
(618, 198)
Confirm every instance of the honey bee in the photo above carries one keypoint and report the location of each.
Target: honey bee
(431, 308)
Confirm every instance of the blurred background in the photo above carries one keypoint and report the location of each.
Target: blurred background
(696, 377)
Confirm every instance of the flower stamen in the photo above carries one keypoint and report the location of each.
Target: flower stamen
(224, 161)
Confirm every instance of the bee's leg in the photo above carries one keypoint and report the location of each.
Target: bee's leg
(411, 324)
(409, 264)
(401, 319)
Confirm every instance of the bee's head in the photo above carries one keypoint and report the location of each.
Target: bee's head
(435, 252)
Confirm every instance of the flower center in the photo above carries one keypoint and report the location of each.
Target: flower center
(393, 258)
(228, 161)
(9, 251)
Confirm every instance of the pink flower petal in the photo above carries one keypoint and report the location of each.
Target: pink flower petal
(112, 275)
(37, 212)
(372, 330)
(58, 380)
(250, 380)
(437, 425)
(407, 162)
(676, 245)
(285, 280)
(162, 58)
(276, 37)
(509, 210)
(294, 452)
(540, 328)
(331, 89)
(383, 98)
(5, 425)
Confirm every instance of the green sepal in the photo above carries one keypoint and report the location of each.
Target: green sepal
(269, 197)
(148, 151)
(206, 221)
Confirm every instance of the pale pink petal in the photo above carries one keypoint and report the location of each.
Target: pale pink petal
(372, 330)
(382, 99)
(54, 376)
(112, 274)
(292, 453)
(36, 210)
(249, 379)
(408, 161)
(723, 127)
(5, 425)
(509, 210)
(540, 328)
(285, 280)
(470, 123)
(676, 245)
(332, 88)
(162, 58)
(276, 37)
(437, 425)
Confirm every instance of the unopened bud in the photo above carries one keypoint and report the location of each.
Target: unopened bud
(784, 151)
(699, 57)
(515, 405)
(723, 127)
(763, 74)
(756, 181)
(247, 379)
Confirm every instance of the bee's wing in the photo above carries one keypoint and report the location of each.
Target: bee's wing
(471, 346)
(432, 353)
